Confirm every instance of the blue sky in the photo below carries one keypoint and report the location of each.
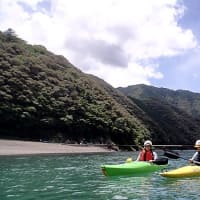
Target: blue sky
(183, 71)
(123, 42)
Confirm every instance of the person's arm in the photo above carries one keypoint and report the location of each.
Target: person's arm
(193, 157)
(138, 158)
(155, 155)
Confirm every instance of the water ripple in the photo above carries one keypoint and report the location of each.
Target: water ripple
(78, 177)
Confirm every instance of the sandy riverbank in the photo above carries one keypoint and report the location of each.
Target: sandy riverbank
(16, 147)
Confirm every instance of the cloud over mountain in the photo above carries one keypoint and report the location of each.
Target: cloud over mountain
(119, 41)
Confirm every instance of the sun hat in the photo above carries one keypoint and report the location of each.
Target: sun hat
(197, 143)
(148, 142)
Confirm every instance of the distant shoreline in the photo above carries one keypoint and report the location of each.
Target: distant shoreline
(17, 147)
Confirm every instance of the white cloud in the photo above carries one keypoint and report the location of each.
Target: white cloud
(108, 38)
(124, 77)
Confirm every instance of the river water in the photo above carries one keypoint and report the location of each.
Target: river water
(78, 177)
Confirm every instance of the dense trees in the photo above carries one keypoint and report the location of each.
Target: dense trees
(43, 96)
(168, 113)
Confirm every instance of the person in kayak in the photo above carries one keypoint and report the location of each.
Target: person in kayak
(196, 157)
(147, 154)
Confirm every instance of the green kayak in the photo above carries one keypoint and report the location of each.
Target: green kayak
(134, 168)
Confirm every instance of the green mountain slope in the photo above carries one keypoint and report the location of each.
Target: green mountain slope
(43, 96)
(172, 121)
(182, 99)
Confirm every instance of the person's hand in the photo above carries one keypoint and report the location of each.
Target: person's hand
(190, 160)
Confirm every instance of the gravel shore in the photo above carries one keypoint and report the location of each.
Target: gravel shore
(16, 147)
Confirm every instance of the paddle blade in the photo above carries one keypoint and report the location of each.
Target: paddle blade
(128, 160)
(173, 155)
(161, 161)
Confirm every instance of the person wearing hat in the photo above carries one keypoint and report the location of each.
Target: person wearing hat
(147, 154)
(196, 157)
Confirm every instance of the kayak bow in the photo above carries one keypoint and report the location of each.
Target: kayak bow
(186, 171)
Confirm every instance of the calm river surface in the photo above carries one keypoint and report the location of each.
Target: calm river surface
(78, 177)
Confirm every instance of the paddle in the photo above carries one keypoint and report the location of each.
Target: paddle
(160, 161)
(175, 155)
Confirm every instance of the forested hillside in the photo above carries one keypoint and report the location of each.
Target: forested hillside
(182, 99)
(43, 96)
(174, 114)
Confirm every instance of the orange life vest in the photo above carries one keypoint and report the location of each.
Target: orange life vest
(146, 155)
